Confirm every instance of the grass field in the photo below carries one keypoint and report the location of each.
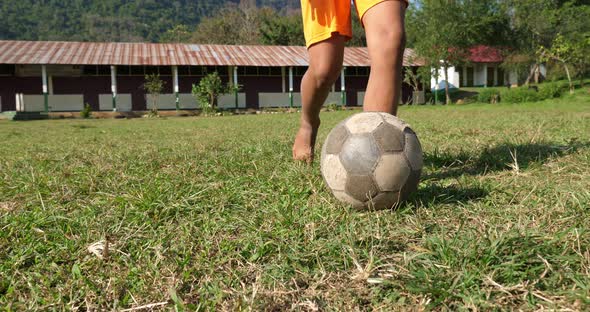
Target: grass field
(212, 214)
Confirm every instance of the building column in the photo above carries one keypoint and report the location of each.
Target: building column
(291, 86)
(236, 86)
(485, 75)
(343, 87)
(45, 88)
(114, 87)
(175, 87)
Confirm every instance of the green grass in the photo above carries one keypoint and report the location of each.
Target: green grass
(212, 214)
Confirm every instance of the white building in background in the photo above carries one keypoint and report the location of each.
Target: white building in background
(483, 70)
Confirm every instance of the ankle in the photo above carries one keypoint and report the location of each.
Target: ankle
(310, 123)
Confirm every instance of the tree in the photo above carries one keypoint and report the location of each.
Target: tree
(438, 34)
(416, 77)
(443, 31)
(209, 89)
(276, 29)
(232, 25)
(537, 25)
(178, 34)
(154, 87)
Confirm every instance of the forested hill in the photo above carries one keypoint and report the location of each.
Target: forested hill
(110, 20)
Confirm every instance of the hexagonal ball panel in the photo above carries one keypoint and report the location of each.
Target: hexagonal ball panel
(392, 172)
(389, 138)
(361, 187)
(363, 122)
(394, 121)
(347, 199)
(335, 140)
(333, 172)
(360, 154)
(385, 200)
(413, 149)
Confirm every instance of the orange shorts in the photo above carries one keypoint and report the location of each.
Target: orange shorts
(322, 18)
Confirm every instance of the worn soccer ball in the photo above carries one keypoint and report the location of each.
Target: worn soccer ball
(372, 160)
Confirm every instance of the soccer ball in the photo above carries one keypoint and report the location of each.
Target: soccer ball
(372, 160)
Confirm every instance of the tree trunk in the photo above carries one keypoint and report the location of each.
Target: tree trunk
(531, 74)
(448, 96)
(569, 78)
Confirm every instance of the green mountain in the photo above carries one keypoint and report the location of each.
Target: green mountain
(110, 20)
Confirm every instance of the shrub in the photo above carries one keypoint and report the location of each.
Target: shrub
(209, 89)
(154, 87)
(333, 107)
(488, 95)
(519, 95)
(550, 91)
(86, 112)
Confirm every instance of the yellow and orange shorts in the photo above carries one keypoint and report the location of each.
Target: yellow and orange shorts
(322, 18)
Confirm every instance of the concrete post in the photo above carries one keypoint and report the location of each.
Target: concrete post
(176, 88)
(114, 86)
(343, 87)
(236, 86)
(45, 88)
(291, 86)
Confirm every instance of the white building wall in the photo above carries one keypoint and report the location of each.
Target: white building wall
(56, 103)
(453, 77)
(105, 102)
(278, 99)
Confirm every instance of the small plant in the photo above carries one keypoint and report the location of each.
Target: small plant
(488, 95)
(86, 112)
(331, 107)
(550, 91)
(154, 87)
(208, 90)
(519, 95)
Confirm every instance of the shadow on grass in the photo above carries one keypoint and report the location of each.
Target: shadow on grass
(505, 156)
(434, 194)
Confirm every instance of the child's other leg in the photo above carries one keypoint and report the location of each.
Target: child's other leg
(384, 27)
(325, 63)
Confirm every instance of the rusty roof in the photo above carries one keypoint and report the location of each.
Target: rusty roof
(162, 54)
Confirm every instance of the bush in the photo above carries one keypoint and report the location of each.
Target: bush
(86, 112)
(488, 95)
(333, 107)
(519, 95)
(550, 91)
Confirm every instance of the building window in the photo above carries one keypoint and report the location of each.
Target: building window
(123, 71)
(251, 71)
(89, 70)
(165, 70)
(7, 69)
(276, 71)
(299, 70)
(184, 71)
(470, 77)
(104, 70)
(136, 70)
(363, 71)
(196, 71)
(151, 70)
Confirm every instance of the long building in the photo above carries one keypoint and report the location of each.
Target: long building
(38, 76)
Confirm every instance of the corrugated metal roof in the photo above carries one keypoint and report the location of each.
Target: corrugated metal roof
(99, 53)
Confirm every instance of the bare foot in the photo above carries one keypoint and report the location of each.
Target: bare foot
(303, 148)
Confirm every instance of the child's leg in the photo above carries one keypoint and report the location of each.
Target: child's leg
(384, 26)
(325, 63)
